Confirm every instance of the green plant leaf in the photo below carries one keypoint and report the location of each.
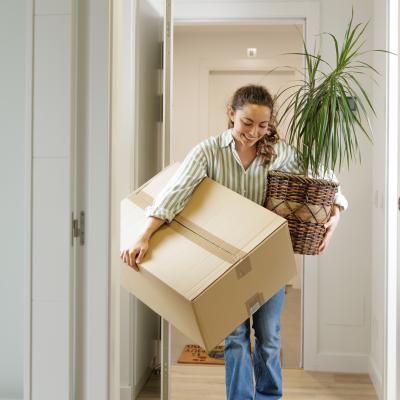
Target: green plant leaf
(321, 125)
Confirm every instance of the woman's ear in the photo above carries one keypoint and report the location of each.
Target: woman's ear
(231, 113)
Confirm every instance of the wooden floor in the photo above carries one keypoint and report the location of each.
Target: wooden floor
(199, 382)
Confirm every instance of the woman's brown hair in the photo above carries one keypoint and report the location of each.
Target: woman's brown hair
(256, 94)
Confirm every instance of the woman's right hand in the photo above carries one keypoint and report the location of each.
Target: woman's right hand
(134, 255)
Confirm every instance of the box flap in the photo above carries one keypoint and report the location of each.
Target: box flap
(216, 229)
(229, 216)
(196, 267)
(217, 213)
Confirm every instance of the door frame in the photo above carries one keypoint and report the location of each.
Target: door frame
(307, 12)
(391, 358)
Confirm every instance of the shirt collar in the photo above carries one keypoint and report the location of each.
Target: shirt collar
(227, 138)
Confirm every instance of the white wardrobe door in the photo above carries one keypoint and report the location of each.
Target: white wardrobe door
(52, 188)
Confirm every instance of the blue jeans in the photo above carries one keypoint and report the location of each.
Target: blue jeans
(266, 357)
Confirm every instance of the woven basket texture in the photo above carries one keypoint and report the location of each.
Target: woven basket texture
(306, 203)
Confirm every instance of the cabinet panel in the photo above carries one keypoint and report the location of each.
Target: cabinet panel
(50, 351)
(51, 229)
(52, 86)
(45, 7)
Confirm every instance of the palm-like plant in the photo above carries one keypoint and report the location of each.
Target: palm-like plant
(324, 124)
(323, 128)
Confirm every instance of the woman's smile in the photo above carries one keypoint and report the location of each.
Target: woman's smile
(248, 138)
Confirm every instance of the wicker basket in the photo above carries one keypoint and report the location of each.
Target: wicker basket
(306, 203)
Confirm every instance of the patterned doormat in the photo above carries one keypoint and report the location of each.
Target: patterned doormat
(194, 354)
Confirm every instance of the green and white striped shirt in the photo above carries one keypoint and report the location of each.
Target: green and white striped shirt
(217, 158)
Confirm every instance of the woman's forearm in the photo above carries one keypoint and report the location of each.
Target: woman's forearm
(152, 224)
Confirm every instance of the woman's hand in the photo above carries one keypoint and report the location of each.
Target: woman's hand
(330, 228)
(135, 254)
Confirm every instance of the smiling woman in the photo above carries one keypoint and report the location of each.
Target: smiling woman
(241, 164)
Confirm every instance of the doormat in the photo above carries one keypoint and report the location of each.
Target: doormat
(194, 354)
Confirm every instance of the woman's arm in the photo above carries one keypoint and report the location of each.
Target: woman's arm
(134, 255)
(170, 201)
(287, 161)
(176, 194)
(330, 227)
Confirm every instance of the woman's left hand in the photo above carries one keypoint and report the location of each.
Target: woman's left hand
(330, 227)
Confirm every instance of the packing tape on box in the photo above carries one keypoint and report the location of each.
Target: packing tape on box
(141, 199)
(204, 243)
(243, 268)
(254, 303)
(200, 236)
(212, 238)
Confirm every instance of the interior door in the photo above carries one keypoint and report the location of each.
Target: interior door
(53, 185)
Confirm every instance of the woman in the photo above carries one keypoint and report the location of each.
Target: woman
(239, 158)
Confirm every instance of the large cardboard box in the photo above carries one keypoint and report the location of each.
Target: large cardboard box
(215, 264)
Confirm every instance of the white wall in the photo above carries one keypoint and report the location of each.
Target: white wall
(12, 167)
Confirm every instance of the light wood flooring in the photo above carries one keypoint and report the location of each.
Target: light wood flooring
(197, 382)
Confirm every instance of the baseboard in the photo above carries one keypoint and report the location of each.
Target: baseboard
(126, 393)
(376, 378)
(129, 392)
(142, 381)
(356, 363)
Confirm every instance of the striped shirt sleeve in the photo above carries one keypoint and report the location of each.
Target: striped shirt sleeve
(287, 161)
(176, 194)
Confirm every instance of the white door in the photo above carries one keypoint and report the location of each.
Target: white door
(53, 192)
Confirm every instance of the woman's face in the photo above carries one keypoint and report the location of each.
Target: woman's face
(250, 123)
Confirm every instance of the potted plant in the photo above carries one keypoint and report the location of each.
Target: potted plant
(326, 113)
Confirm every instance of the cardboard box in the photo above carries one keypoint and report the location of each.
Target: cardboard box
(215, 264)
